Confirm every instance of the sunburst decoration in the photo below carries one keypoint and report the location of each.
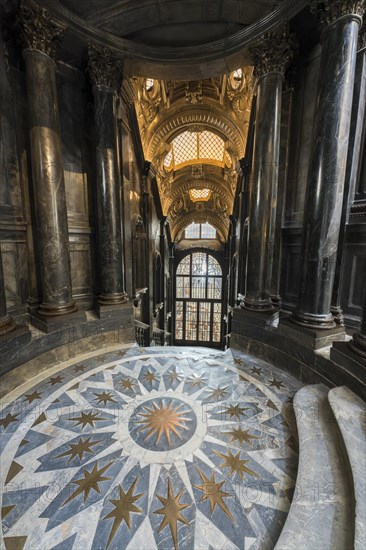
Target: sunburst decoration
(79, 448)
(90, 481)
(161, 419)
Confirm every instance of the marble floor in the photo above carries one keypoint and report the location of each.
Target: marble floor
(149, 448)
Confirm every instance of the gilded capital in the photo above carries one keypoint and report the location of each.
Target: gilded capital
(328, 11)
(103, 68)
(273, 53)
(38, 30)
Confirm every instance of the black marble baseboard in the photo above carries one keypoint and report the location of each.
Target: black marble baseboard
(308, 365)
(38, 344)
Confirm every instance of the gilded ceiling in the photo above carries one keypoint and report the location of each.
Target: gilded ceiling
(194, 133)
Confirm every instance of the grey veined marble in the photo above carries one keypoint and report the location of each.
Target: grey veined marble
(350, 412)
(321, 513)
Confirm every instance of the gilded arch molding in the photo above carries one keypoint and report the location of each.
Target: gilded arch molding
(205, 117)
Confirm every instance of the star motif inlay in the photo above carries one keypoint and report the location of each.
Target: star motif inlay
(196, 380)
(90, 481)
(171, 511)
(256, 370)
(218, 392)
(238, 434)
(235, 463)
(127, 384)
(56, 380)
(235, 410)
(212, 492)
(149, 377)
(123, 507)
(79, 368)
(86, 418)
(161, 419)
(104, 397)
(8, 419)
(276, 383)
(174, 376)
(79, 448)
(30, 397)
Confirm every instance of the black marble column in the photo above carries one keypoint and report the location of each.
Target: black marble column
(106, 78)
(6, 322)
(327, 166)
(40, 36)
(353, 170)
(270, 58)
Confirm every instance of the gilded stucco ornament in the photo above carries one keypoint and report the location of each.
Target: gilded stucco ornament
(328, 11)
(239, 89)
(193, 92)
(103, 68)
(273, 53)
(38, 30)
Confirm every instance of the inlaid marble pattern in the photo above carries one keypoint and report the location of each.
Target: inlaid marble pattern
(149, 448)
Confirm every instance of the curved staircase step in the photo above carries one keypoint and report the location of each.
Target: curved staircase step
(321, 515)
(350, 413)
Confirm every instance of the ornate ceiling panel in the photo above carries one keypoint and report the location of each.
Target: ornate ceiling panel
(194, 133)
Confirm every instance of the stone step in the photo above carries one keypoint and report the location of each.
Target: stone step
(350, 413)
(321, 515)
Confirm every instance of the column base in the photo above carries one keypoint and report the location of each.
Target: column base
(47, 323)
(311, 338)
(112, 311)
(341, 354)
(313, 322)
(358, 345)
(7, 325)
(257, 318)
(337, 313)
(112, 299)
(47, 310)
(257, 306)
(276, 301)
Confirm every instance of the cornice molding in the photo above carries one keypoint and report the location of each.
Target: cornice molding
(38, 31)
(179, 56)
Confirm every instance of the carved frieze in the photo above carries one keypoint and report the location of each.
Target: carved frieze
(38, 30)
(274, 52)
(103, 68)
(328, 11)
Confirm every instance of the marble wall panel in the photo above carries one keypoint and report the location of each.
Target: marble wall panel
(14, 257)
(354, 270)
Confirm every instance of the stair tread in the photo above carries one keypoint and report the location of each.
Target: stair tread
(350, 413)
(321, 514)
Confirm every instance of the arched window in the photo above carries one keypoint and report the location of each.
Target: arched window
(200, 231)
(190, 147)
(198, 299)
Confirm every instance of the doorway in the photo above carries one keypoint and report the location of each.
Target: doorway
(198, 300)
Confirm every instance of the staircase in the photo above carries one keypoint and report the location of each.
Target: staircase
(328, 511)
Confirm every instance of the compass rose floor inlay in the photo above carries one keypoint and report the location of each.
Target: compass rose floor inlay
(163, 448)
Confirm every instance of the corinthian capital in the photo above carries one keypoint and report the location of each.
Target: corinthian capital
(328, 11)
(38, 30)
(273, 53)
(103, 68)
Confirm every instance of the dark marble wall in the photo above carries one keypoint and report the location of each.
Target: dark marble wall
(76, 131)
(15, 223)
(300, 136)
